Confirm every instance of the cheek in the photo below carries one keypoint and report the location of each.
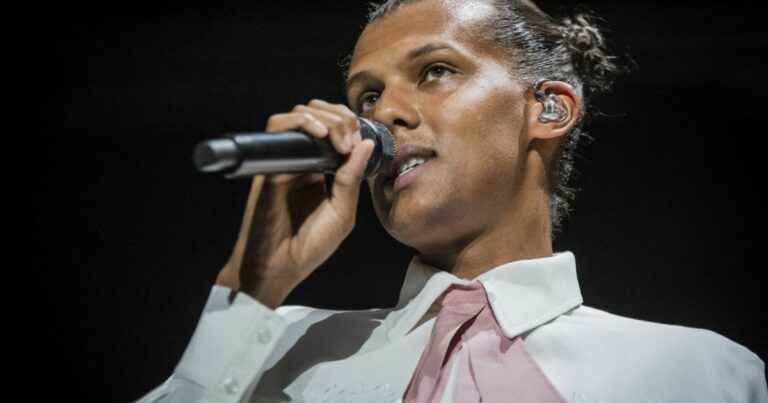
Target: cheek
(485, 125)
(380, 204)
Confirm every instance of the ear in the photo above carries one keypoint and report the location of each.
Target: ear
(566, 98)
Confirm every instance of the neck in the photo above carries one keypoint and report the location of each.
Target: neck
(512, 239)
(521, 232)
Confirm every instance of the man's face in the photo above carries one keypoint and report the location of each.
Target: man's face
(421, 72)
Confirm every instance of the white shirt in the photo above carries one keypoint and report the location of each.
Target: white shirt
(247, 352)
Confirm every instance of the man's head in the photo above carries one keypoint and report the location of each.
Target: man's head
(454, 78)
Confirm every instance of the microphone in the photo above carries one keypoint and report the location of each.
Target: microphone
(239, 155)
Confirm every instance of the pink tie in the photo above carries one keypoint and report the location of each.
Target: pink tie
(492, 368)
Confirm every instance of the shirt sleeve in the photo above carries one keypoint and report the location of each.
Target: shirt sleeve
(743, 373)
(227, 352)
(722, 370)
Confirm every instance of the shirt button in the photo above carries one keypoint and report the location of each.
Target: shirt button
(263, 335)
(231, 386)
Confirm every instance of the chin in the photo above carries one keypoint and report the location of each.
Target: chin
(422, 219)
(429, 242)
(404, 230)
(420, 231)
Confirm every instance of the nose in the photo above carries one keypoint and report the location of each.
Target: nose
(396, 109)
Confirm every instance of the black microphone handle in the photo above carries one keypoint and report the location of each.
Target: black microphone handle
(240, 155)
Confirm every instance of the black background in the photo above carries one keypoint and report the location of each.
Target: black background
(130, 237)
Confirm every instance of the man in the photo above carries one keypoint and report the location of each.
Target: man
(482, 98)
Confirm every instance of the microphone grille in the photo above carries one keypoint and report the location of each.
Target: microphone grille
(385, 143)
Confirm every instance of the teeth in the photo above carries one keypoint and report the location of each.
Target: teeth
(413, 162)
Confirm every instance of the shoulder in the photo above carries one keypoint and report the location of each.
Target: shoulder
(301, 313)
(331, 326)
(324, 328)
(672, 359)
(293, 316)
(314, 336)
(675, 341)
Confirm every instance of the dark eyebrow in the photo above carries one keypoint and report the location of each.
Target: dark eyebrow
(426, 49)
(412, 54)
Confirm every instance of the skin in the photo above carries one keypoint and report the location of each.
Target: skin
(481, 202)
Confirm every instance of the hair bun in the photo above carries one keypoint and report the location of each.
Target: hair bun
(588, 52)
(580, 35)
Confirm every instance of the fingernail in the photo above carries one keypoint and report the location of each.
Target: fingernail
(321, 127)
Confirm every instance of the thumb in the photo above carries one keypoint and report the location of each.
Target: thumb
(346, 184)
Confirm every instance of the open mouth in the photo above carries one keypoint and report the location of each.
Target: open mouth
(409, 161)
(407, 174)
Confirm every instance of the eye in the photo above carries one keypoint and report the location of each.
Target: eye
(366, 101)
(434, 72)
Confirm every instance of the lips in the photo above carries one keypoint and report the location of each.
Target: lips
(404, 154)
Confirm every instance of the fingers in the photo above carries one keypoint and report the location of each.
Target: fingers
(349, 122)
(304, 121)
(319, 119)
(346, 183)
(342, 123)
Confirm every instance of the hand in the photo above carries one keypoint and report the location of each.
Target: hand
(290, 226)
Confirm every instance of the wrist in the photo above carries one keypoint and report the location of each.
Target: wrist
(227, 278)
(270, 291)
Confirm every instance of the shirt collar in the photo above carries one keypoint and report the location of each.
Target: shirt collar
(523, 294)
